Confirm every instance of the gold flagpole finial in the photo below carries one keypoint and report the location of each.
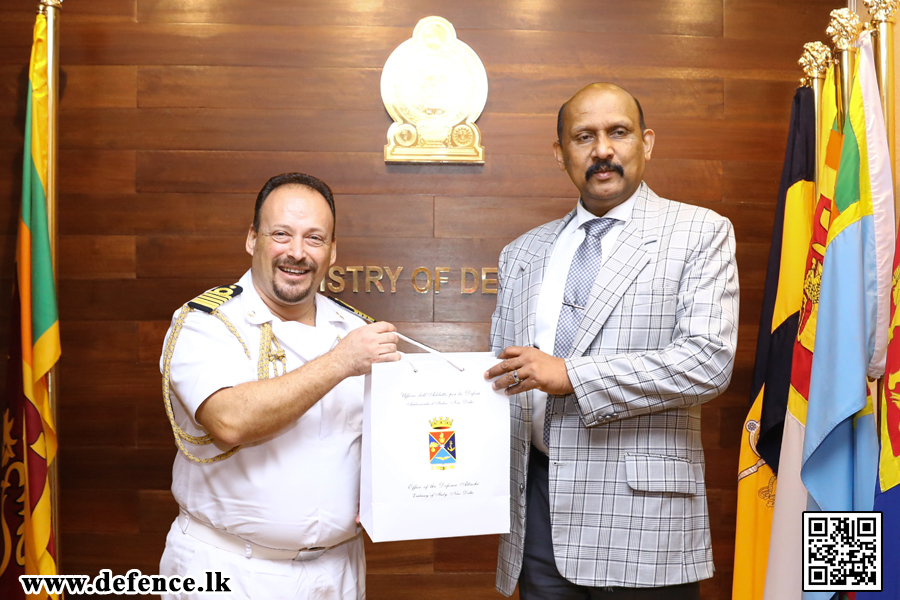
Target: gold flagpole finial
(882, 11)
(52, 3)
(815, 59)
(844, 28)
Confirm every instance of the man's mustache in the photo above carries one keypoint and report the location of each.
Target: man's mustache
(603, 165)
(298, 264)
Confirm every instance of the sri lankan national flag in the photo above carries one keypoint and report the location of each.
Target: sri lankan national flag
(887, 498)
(761, 437)
(29, 436)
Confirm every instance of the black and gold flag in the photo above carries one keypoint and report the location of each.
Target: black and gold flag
(761, 439)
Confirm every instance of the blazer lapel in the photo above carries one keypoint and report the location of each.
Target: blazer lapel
(630, 255)
(531, 279)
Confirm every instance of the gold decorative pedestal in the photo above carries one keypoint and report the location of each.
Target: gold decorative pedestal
(434, 87)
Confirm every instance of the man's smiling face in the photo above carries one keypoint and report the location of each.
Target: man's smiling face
(293, 248)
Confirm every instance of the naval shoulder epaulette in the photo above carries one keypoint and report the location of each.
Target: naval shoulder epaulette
(212, 299)
(356, 312)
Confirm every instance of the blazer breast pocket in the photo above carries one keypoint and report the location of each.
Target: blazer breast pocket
(659, 292)
(659, 473)
(646, 317)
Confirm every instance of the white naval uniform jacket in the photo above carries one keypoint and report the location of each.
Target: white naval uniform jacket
(627, 494)
(298, 488)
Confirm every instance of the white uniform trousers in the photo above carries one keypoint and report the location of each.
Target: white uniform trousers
(339, 574)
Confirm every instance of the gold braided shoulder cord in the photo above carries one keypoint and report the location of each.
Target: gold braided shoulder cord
(267, 341)
(270, 353)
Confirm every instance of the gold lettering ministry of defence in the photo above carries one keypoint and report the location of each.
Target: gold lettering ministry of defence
(386, 279)
(434, 86)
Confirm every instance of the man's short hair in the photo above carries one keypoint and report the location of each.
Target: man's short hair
(562, 110)
(294, 179)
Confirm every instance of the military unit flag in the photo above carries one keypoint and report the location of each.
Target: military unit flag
(777, 332)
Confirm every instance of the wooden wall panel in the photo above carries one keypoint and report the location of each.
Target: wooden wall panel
(97, 43)
(472, 586)
(86, 171)
(774, 19)
(90, 341)
(151, 425)
(542, 90)
(753, 181)
(515, 176)
(127, 299)
(100, 86)
(94, 43)
(231, 214)
(414, 556)
(92, 257)
(8, 255)
(224, 129)
(258, 88)
(108, 422)
(359, 89)
(157, 511)
(174, 114)
(758, 100)
(682, 17)
(360, 131)
(95, 10)
(79, 510)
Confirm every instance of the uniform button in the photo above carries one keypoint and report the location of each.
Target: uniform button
(522, 488)
(524, 445)
(252, 313)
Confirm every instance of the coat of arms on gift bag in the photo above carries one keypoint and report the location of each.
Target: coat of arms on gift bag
(442, 444)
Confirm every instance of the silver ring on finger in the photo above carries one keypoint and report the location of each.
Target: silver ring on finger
(515, 377)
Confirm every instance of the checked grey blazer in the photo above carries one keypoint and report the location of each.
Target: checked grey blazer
(627, 496)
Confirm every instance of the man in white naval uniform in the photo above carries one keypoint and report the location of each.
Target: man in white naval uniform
(272, 368)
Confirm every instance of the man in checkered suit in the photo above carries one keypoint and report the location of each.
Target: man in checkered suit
(615, 324)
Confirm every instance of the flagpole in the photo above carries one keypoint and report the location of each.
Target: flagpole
(815, 60)
(844, 28)
(51, 8)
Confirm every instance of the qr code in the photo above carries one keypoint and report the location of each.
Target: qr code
(841, 551)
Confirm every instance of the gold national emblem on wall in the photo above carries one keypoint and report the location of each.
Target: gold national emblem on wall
(434, 87)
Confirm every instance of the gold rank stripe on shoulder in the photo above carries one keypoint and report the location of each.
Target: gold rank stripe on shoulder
(358, 313)
(212, 299)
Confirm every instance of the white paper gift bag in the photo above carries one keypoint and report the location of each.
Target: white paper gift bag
(435, 454)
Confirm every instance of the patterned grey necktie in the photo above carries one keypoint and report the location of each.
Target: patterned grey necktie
(582, 274)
